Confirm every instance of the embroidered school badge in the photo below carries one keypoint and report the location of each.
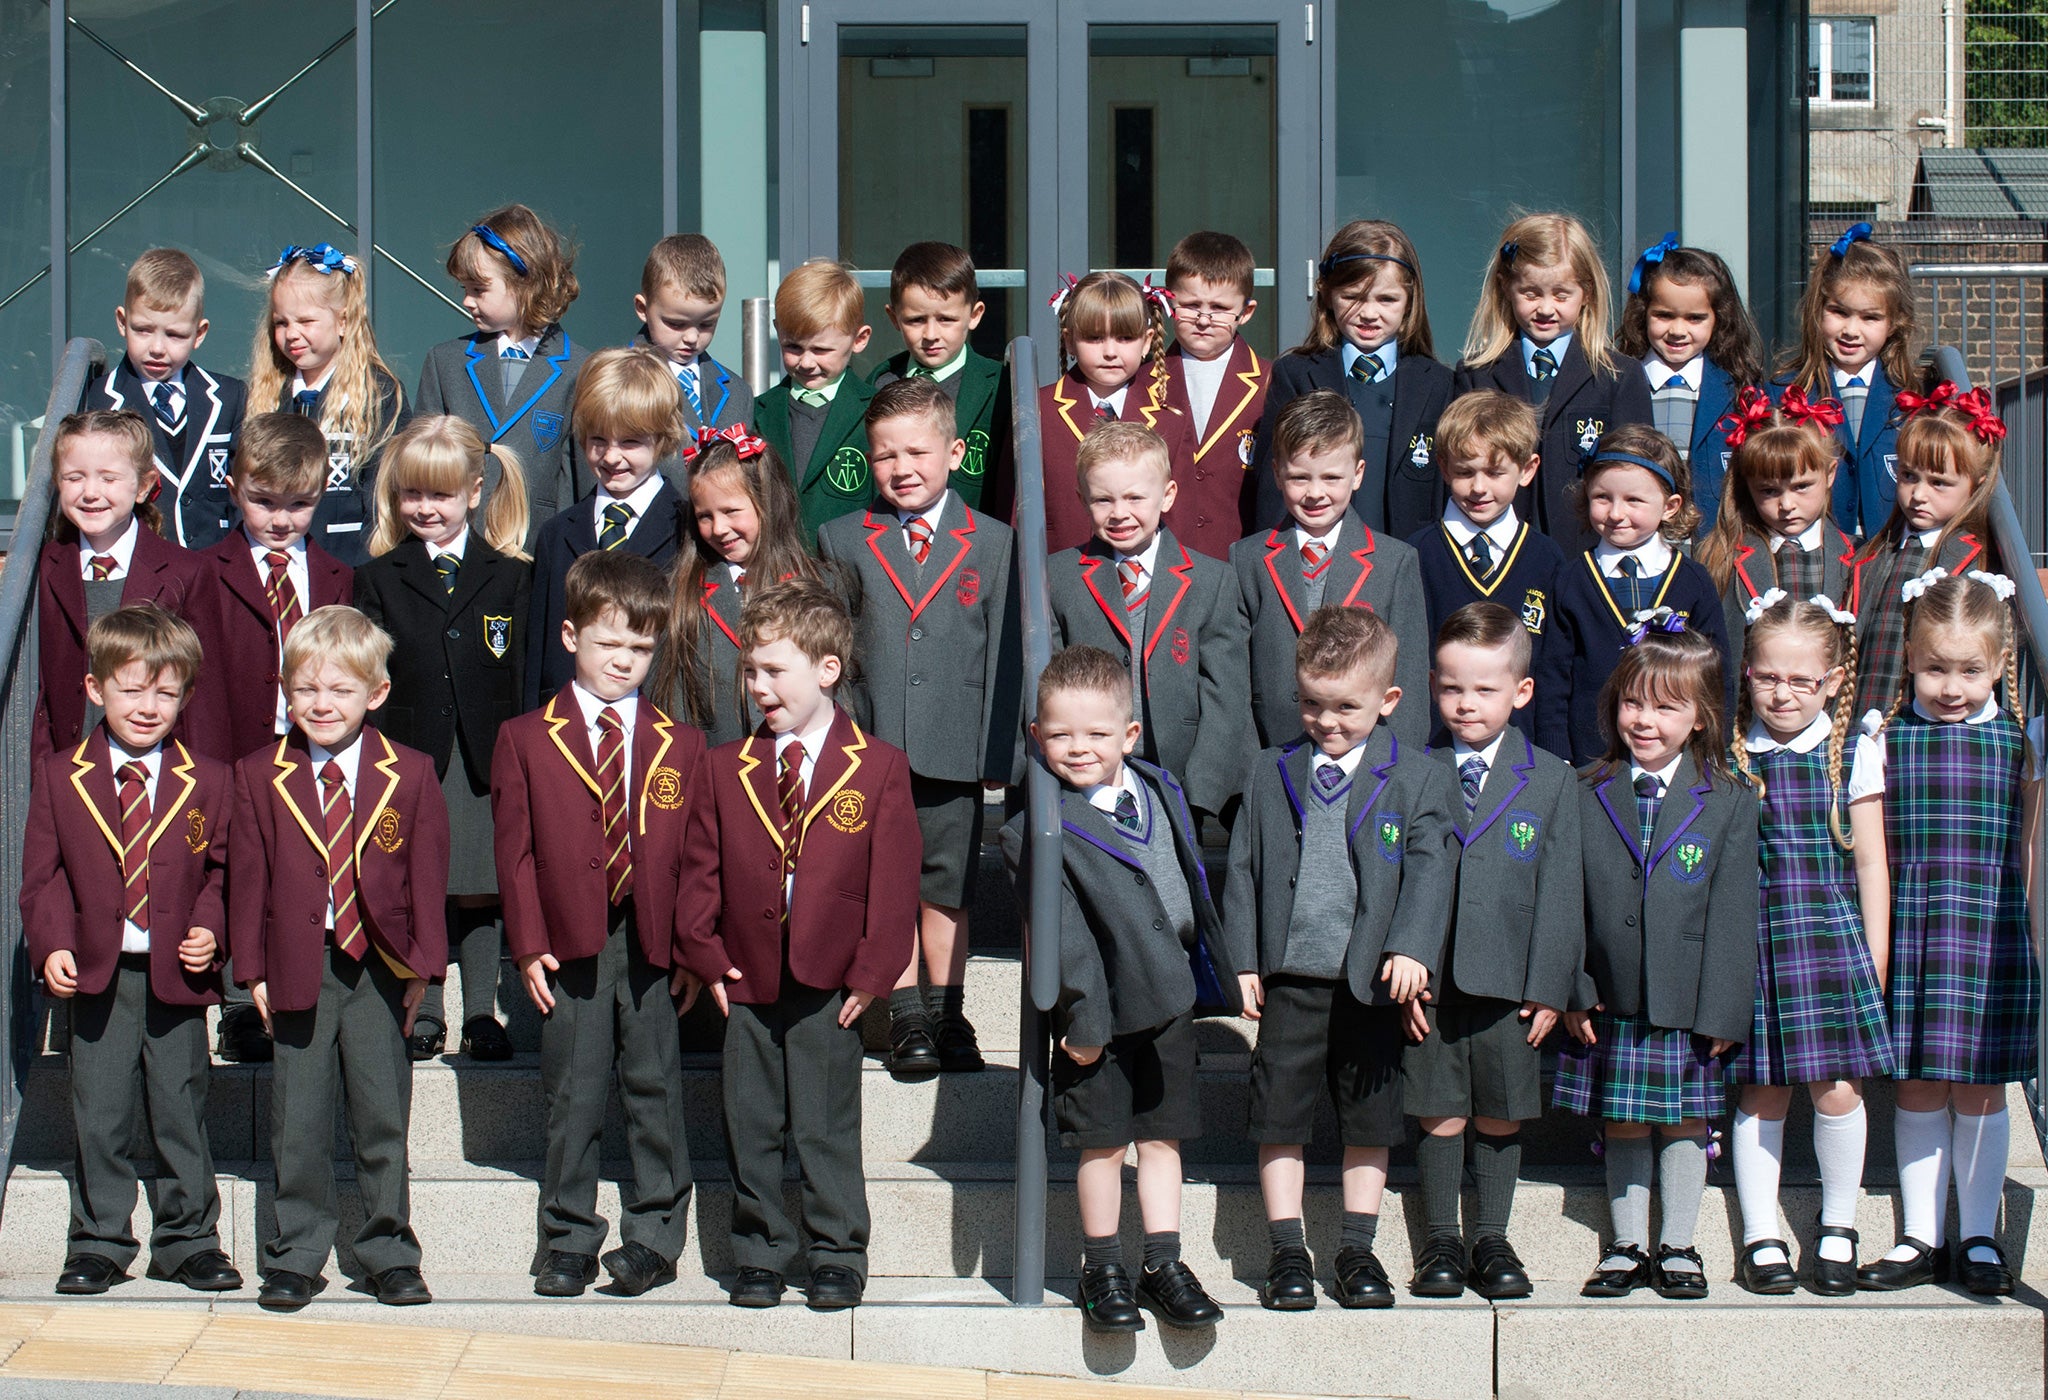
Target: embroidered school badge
(217, 465)
(1891, 466)
(1589, 432)
(1534, 609)
(1689, 860)
(1419, 449)
(1246, 441)
(975, 463)
(967, 587)
(847, 472)
(547, 431)
(1390, 836)
(337, 471)
(498, 635)
(665, 788)
(1180, 646)
(195, 831)
(848, 813)
(386, 834)
(1520, 836)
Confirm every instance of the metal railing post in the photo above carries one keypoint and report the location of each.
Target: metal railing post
(757, 339)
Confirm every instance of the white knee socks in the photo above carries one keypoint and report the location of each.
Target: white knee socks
(1759, 1158)
(1838, 1141)
(1923, 1142)
(1981, 1144)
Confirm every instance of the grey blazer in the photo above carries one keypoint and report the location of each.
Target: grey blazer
(1370, 570)
(1674, 941)
(1404, 851)
(940, 646)
(727, 400)
(462, 377)
(1519, 933)
(1197, 724)
(1120, 970)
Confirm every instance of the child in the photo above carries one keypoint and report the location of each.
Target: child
(1480, 550)
(316, 338)
(625, 417)
(1517, 941)
(591, 914)
(813, 417)
(123, 865)
(1685, 321)
(105, 554)
(341, 832)
(1113, 334)
(1369, 340)
(1175, 617)
(193, 415)
(1322, 554)
(1824, 940)
(1214, 378)
(797, 914)
(1962, 808)
(1139, 944)
(936, 617)
(1540, 334)
(450, 583)
(1773, 530)
(518, 370)
(1633, 498)
(1856, 323)
(1342, 875)
(1948, 462)
(934, 302)
(682, 293)
(1671, 956)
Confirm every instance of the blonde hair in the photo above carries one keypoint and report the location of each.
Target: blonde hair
(1111, 304)
(1779, 450)
(819, 295)
(1486, 419)
(1543, 240)
(443, 453)
(547, 286)
(165, 279)
(139, 445)
(353, 405)
(684, 262)
(1120, 441)
(1354, 257)
(1838, 641)
(628, 392)
(1960, 605)
(340, 634)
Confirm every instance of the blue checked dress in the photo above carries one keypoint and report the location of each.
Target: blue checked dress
(1965, 989)
(1819, 1012)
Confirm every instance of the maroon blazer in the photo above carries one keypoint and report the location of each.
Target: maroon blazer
(277, 864)
(72, 895)
(854, 914)
(158, 572)
(1220, 489)
(1065, 414)
(551, 873)
(234, 710)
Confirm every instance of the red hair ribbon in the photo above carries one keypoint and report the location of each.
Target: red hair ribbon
(1823, 413)
(1068, 281)
(1752, 411)
(744, 443)
(1984, 419)
(1159, 296)
(1942, 395)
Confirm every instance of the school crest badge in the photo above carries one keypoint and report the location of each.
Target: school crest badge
(195, 831)
(1689, 860)
(1891, 466)
(1589, 432)
(665, 788)
(975, 463)
(848, 813)
(1181, 646)
(337, 471)
(1520, 835)
(967, 587)
(1419, 449)
(386, 833)
(1246, 441)
(497, 635)
(547, 431)
(847, 472)
(1390, 836)
(1534, 609)
(217, 465)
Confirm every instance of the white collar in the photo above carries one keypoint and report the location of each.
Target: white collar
(1659, 373)
(1102, 796)
(1114, 402)
(1327, 540)
(930, 515)
(1861, 378)
(1988, 712)
(737, 572)
(1759, 739)
(122, 550)
(151, 758)
(1652, 555)
(1389, 355)
(296, 549)
(1927, 538)
(348, 760)
(1146, 557)
(1808, 539)
(637, 500)
(1460, 750)
(1663, 775)
(1348, 761)
(300, 384)
(455, 546)
(531, 344)
(812, 739)
(1500, 532)
(1558, 347)
(626, 707)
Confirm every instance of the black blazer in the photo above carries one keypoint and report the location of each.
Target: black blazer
(562, 541)
(347, 513)
(1414, 490)
(459, 666)
(192, 467)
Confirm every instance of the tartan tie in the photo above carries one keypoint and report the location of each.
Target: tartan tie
(686, 376)
(284, 596)
(617, 515)
(611, 782)
(102, 566)
(166, 413)
(789, 791)
(1471, 778)
(1367, 369)
(1132, 573)
(1127, 810)
(920, 531)
(1482, 554)
(1649, 797)
(448, 565)
(1543, 365)
(1329, 777)
(134, 845)
(341, 860)
(1315, 557)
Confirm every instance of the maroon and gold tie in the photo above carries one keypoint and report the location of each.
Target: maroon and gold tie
(339, 816)
(134, 796)
(102, 566)
(611, 782)
(284, 598)
(789, 788)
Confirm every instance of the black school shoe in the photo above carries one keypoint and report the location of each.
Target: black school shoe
(1835, 1278)
(284, 1291)
(86, 1274)
(1929, 1264)
(1106, 1300)
(565, 1275)
(912, 1052)
(1685, 1285)
(1290, 1284)
(1618, 1283)
(1362, 1280)
(959, 1050)
(1440, 1268)
(834, 1288)
(1770, 1280)
(1497, 1271)
(635, 1268)
(242, 1039)
(428, 1039)
(208, 1271)
(401, 1287)
(484, 1039)
(756, 1288)
(1176, 1295)
(1992, 1280)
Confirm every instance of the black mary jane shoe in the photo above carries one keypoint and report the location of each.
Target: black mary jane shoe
(1685, 1285)
(1440, 1268)
(208, 1271)
(1618, 1283)
(429, 1037)
(1497, 1271)
(1929, 1264)
(1177, 1297)
(756, 1288)
(1290, 1284)
(1362, 1280)
(1835, 1278)
(1107, 1300)
(958, 1048)
(86, 1274)
(1986, 1280)
(912, 1052)
(1771, 1280)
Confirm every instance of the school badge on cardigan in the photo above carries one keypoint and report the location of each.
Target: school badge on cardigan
(847, 472)
(976, 460)
(1590, 430)
(547, 431)
(968, 588)
(1390, 836)
(665, 789)
(848, 813)
(1534, 608)
(386, 833)
(195, 831)
(497, 635)
(1689, 860)
(1521, 835)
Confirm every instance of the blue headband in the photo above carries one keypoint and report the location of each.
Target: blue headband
(491, 240)
(1650, 258)
(1855, 233)
(1663, 473)
(1327, 265)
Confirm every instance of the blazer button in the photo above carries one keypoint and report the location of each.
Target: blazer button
(1290, 882)
(1631, 921)
(1141, 879)
(917, 634)
(312, 918)
(455, 634)
(1635, 872)
(447, 710)
(1159, 923)
(321, 871)
(771, 913)
(917, 680)
(595, 815)
(593, 863)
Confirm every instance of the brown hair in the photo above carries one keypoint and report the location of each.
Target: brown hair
(819, 295)
(132, 430)
(1735, 345)
(164, 279)
(1111, 304)
(1336, 638)
(1542, 240)
(340, 634)
(1084, 668)
(1774, 452)
(1317, 422)
(939, 268)
(1639, 441)
(628, 392)
(914, 398)
(441, 452)
(1352, 260)
(546, 286)
(1961, 604)
(144, 632)
(1221, 259)
(1486, 419)
(612, 580)
(1869, 264)
(282, 452)
(1675, 666)
(1489, 627)
(1937, 438)
(684, 262)
(804, 613)
(1809, 619)
(1120, 440)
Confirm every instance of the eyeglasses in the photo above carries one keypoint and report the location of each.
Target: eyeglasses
(1769, 682)
(1209, 315)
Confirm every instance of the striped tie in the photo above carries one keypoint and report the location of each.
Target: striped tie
(166, 409)
(1105, 412)
(686, 376)
(789, 790)
(1543, 365)
(306, 403)
(1132, 573)
(102, 566)
(1367, 369)
(134, 843)
(617, 516)
(448, 565)
(920, 531)
(611, 782)
(341, 860)
(284, 596)
(1482, 555)
(1315, 557)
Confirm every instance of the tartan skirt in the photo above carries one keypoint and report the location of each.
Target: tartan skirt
(1635, 1072)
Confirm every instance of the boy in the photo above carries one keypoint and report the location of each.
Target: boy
(1175, 617)
(123, 872)
(1486, 446)
(1214, 377)
(798, 914)
(1136, 924)
(1324, 554)
(682, 293)
(194, 416)
(1342, 870)
(935, 616)
(934, 302)
(1516, 943)
(338, 878)
(625, 417)
(590, 918)
(813, 417)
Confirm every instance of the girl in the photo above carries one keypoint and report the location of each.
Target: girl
(1540, 334)
(1670, 951)
(1369, 340)
(1823, 934)
(1633, 501)
(1947, 469)
(315, 355)
(450, 584)
(1855, 345)
(1962, 808)
(104, 553)
(1773, 529)
(1686, 322)
(513, 379)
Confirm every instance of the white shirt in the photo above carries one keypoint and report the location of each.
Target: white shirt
(1868, 774)
(348, 761)
(505, 342)
(134, 937)
(811, 742)
(1653, 556)
(1663, 775)
(929, 515)
(1557, 348)
(302, 584)
(1114, 403)
(1388, 355)
(1205, 381)
(1460, 751)
(1348, 760)
(1146, 557)
(1327, 540)
(1102, 796)
(1927, 538)
(454, 546)
(1860, 379)
(176, 385)
(1500, 532)
(739, 573)
(627, 708)
(300, 383)
(1866, 762)
(637, 501)
(121, 551)
(1807, 540)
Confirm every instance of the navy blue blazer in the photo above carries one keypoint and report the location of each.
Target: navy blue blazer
(1867, 482)
(564, 540)
(1524, 582)
(193, 466)
(1708, 451)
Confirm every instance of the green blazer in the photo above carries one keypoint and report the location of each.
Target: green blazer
(837, 478)
(981, 415)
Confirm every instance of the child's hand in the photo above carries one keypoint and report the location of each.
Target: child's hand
(1405, 977)
(1579, 1025)
(259, 993)
(1081, 1054)
(60, 973)
(1542, 1020)
(1415, 1019)
(732, 974)
(1719, 1048)
(850, 1010)
(198, 949)
(684, 986)
(415, 993)
(1253, 992)
(533, 971)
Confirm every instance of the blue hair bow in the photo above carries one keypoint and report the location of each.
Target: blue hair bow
(1855, 233)
(1652, 621)
(323, 258)
(492, 239)
(1508, 251)
(1650, 258)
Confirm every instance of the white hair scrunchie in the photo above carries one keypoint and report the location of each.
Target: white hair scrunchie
(1827, 605)
(1997, 583)
(1873, 721)
(1914, 587)
(1763, 603)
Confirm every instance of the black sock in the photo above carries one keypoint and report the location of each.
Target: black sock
(906, 1001)
(1284, 1233)
(1100, 1251)
(1496, 1164)
(1162, 1247)
(1360, 1228)
(1440, 1168)
(946, 1003)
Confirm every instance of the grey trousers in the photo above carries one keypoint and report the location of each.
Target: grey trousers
(352, 1039)
(128, 1051)
(792, 1075)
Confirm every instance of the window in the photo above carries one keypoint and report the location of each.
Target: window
(1840, 55)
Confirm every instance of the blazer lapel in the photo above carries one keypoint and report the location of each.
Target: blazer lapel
(720, 392)
(1877, 408)
(489, 382)
(1283, 567)
(1293, 764)
(552, 353)
(1675, 815)
(244, 582)
(757, 752)
(1183, 575)
(1717, 394)
(978, 379)
(92, 776)
(1090, 563)
(417, 572)
(1374, 772)
(721, 602)
(1513, 780)
(837, 763)
(840, 415)
(1080, 818)
(174, 784)
(566, 730)
(1065, 401)
(1355, 546)
(376, 782)
(1234, 397)
(653, 733)
(1628, 828)
(1572, 376)
(68, 586)
(480, 563)
(293, 783)
(1745, 551)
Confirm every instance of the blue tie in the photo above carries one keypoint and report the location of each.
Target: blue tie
(1367, 369)
(1472, 777)
(686, 375)
(166, 414)
(1542, 365)
(307, 403)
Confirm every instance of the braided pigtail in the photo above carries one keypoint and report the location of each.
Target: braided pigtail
(1838, 737)
(1738, 747)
